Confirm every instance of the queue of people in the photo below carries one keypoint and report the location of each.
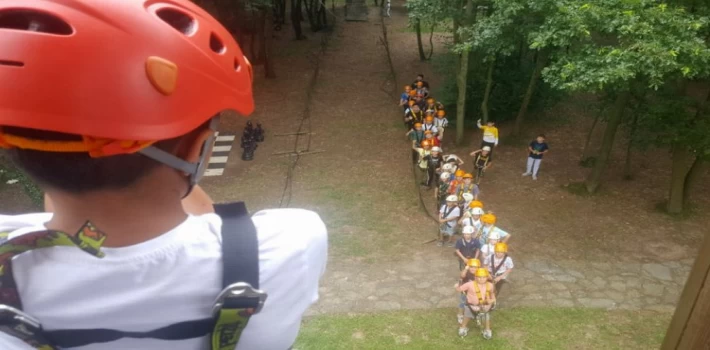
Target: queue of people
(482, 249)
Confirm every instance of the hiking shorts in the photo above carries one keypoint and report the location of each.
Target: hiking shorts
(446, 230)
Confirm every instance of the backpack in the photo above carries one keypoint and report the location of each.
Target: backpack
(238, 301)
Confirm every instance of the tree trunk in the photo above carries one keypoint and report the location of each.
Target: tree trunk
(696, 172)
(586, 152)
(487, 93)
(267, 44)
(418, 29)
(628, 173)
(461, 82)
(682, 156)
(539, 65)
(296, 19)
(431, 42)
(617, 114)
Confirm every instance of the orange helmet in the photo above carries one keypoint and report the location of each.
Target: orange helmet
(459, 173)
(440, 113)
(429, 119)
(426, 143)
(467, 176)
(417, 125)
(473, 263)
(481, 272)
(488, 219)
(420, 84)
(122, 74)
(501, 248)
(412, 102)
(412, 93)
(430, 100)
(475, 204)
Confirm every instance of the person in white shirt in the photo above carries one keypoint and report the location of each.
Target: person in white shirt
(441, 122)
(132, 245)
(500, 264)
(449, 214)
(472, 218)
(488, 248)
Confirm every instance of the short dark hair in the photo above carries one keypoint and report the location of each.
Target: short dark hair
(420, 75)
(541, 135)
(78, 172)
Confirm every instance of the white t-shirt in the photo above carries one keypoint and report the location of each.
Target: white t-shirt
(505, 266)
(486, 251)
(454, 212)
(469, 221)
(441, 122)
(172, 278)
(430, 127)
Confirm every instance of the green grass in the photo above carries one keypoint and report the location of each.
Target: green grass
(9, 172)
(519, 328)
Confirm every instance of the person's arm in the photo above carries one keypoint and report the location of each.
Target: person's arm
(495, 134)
(463, 287)
(198, 202)
(474, 153)
(506, 238)
(503, 275)
(453, 219)
(478, 123)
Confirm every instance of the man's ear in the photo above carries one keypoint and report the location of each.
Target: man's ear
(192, 145)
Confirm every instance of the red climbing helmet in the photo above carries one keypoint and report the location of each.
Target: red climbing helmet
(126, 72)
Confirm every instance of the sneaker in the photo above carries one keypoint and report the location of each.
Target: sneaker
(439, 244)
(488, 334)
(459, 318)
(527, 174)
(463, 332)
(534, 177)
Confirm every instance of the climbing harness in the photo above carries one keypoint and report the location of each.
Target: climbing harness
(238, 301)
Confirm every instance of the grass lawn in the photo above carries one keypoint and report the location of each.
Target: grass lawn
(519, 328)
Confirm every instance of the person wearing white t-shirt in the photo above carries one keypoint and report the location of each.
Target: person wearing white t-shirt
(472, 217)
(131, 245)
(500, 264)
(448, 216)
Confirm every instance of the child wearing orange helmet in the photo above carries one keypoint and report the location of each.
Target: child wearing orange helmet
(423, 151)
(480, 298)
(499, 264)
(404, 98)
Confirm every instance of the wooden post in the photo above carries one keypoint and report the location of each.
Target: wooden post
(690, 326)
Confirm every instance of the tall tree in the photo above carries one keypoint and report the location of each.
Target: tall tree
(619, 44)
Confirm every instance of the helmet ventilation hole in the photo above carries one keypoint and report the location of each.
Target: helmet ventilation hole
(178, 20)
(34, 21)
(237, 65)
(216, 44)
(11, 63)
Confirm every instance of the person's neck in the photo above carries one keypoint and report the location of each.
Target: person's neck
(127, 217)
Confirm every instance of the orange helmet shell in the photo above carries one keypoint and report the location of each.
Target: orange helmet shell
(417, 125)
(488, 219)
(121, 70)
(412, 93)
(459, 173)
(425, 144)
(440, 113)
(412, 102)
(501, 248)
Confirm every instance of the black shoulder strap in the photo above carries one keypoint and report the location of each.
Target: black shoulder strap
(240, 248)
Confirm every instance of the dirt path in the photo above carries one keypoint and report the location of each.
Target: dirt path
(362, 187)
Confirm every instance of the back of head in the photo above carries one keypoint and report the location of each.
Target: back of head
(111, 89)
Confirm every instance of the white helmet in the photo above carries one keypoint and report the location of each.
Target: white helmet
(467, 197)
(487, 148)
(447, 167)
(467, 230)
(494, 235)
(452, 198)
(445, 176)
(436, 149)
(477, 211)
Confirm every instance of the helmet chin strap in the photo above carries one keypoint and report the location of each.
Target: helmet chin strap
(194, 170)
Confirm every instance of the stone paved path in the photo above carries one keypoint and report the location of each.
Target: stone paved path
(428, 283)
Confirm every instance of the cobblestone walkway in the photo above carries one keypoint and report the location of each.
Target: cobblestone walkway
(428, 283)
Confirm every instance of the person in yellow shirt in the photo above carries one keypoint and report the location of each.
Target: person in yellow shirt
(490, 134)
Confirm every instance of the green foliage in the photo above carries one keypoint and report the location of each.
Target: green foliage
(511, 79)
(9, 172)
(614, 42)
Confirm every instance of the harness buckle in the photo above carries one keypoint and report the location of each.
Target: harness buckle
(20, 325)
(240, 295)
